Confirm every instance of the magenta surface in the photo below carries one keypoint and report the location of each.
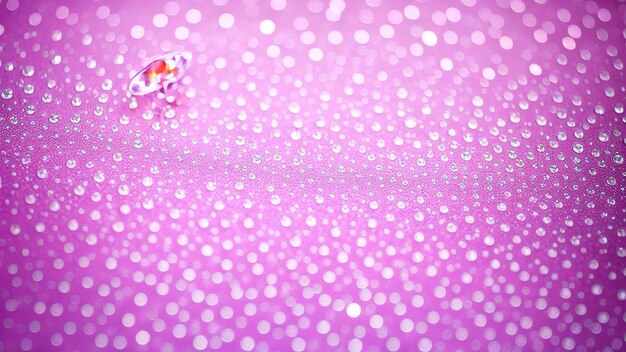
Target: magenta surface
(328, 176)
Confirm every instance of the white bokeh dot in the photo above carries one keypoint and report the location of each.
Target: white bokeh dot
(569, 43)
(160, 20)
(478, 38)
(316, 54)
(506, 43)
(429, 38)
(193, 16)
(355, 345)
(142, 337)
(141, 299)
(411, 12)
(181, 33)
(424, 344)
(535, 69)
(361, 36)
(226, 20)
(298, 344)
(446, 64)
(62, 12)
(200, 342)
(34, 19)
(353, 310)
(278, 5)
(489, 73)
(453, 14)
(267, 27)
(247, 343)
(335, 37)
(137, 31)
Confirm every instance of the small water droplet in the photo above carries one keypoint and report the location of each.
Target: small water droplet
(7, 93)
(28, 71)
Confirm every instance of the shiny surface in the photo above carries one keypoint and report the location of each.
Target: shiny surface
(327, 175)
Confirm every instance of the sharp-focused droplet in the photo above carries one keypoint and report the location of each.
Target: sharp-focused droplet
(160, 73)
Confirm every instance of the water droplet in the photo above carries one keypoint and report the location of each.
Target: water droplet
(7, 93)
(162, 72)
(28, 71)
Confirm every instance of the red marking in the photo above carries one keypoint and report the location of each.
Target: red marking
(158, 68)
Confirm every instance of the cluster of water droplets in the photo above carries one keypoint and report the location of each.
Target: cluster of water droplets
(361, 176)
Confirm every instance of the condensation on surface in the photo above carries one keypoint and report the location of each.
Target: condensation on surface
(327, 175)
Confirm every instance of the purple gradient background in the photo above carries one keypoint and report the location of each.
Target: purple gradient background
(474, 204)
